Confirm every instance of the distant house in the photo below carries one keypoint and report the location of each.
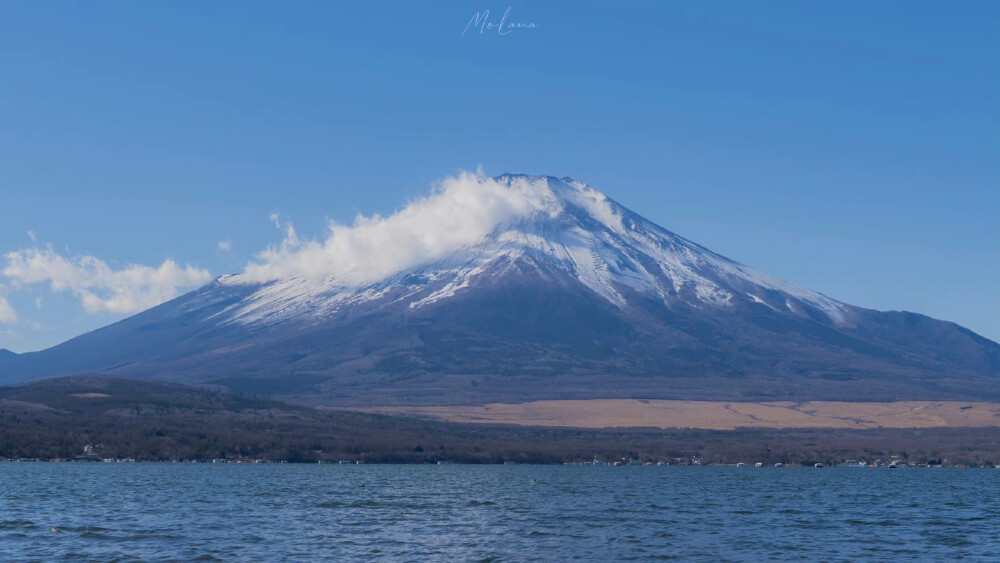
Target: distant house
(88, 454)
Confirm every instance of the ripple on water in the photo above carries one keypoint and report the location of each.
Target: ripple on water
(491, 513)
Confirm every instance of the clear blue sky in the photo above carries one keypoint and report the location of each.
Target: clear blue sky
(852, 148)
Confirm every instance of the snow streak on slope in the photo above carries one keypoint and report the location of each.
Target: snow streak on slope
(474, 226)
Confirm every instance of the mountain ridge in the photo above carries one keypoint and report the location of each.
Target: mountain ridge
(553, 291)
(600, 241)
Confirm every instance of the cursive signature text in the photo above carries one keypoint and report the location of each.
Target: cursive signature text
(481, 21)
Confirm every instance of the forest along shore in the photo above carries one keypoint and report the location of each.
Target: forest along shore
(98, 417)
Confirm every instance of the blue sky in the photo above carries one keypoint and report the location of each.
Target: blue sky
(851, 148)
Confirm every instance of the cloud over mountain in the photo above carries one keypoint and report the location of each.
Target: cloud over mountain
(99, 287)
(460, 212)
(7, 313)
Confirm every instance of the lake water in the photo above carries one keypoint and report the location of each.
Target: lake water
(298, 512)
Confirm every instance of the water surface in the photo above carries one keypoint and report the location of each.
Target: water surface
(299, 512)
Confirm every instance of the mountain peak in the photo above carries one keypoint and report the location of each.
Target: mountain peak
(508, 177)
(518, 288)
(464, 235)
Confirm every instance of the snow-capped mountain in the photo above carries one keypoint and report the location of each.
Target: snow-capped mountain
(574, 229)
(516, 288)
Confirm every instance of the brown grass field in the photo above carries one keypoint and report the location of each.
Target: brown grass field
(713, 415)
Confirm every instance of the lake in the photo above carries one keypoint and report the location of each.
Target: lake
(453, 512)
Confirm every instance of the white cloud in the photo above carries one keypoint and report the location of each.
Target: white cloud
(460, 212)
(7, 313)
(32, 236)
(38, 302)
(99, 287)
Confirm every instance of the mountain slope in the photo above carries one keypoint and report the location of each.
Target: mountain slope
(569, 295)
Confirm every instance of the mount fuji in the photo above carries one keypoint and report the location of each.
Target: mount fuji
(519, 288)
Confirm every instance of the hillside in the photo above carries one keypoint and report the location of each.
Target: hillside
(555, 292)
(151, 421)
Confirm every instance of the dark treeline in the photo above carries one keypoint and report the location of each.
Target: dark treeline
(123, 418)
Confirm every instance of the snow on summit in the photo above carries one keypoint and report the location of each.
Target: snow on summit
(472, 226)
